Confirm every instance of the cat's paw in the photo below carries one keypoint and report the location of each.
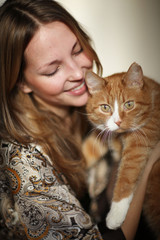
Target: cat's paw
(115, 218)
(117, 213)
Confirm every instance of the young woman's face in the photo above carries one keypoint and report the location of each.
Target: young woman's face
(55, 68)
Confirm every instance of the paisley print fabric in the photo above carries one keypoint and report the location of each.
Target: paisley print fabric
(36, 201)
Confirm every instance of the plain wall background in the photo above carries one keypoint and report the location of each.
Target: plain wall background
(123, 31)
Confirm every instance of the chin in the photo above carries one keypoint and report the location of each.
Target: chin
(82, 101)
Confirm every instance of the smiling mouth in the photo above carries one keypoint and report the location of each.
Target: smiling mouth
(79, 87)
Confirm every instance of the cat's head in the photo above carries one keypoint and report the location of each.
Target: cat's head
(120, 102)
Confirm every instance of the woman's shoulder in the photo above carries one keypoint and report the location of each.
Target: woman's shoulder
(29, 163)
(13, 150)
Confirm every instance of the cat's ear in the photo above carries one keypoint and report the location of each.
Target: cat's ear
(134, 76)
(93, 82)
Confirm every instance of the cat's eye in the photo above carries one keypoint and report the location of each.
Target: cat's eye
(105, 108)
(129, 105)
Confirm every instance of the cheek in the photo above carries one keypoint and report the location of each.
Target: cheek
(43, 85)
(47, 87)
(52, 88)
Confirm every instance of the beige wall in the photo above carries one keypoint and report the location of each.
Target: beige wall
(123, 31)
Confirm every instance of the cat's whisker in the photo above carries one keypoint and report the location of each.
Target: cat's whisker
(137, 137)
(107, 135)
(144, 137)
(84, 113)
(140, 134)
(104, 135)
(101, 134)
(90, 131)
(96, 140)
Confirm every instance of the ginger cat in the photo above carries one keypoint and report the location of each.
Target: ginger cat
(126, 107)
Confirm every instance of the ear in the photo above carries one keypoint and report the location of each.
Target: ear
(25, 88)
(134, 76)
(93, 82)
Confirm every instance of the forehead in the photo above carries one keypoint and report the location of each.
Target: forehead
(50, 39)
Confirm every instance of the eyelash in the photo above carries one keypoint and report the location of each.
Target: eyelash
(78, 52)
(52, 73)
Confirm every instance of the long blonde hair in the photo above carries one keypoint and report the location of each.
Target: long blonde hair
(21, 117)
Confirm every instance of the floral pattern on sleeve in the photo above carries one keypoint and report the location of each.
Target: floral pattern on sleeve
(36, 200)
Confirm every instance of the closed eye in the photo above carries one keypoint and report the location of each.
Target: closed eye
(77, 48)
(52, 73)
(78, 52)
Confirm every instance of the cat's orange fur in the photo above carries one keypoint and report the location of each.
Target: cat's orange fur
(137, 126)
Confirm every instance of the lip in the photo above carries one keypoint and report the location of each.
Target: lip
(78, 89)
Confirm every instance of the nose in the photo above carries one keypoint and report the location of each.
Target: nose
(118, 122)
(74, 71)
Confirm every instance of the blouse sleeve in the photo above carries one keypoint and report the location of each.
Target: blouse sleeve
(39, 202)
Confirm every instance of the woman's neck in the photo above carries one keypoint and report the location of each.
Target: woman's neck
(61, 111)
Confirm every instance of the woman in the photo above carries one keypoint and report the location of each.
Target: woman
(44, 55)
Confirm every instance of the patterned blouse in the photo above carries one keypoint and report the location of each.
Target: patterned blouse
(36, 201)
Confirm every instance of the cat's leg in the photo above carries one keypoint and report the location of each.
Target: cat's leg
(118, 212)
(128, 175)
(94, 151)
(98, 178)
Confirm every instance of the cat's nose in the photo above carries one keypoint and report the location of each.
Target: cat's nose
(118, 122)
